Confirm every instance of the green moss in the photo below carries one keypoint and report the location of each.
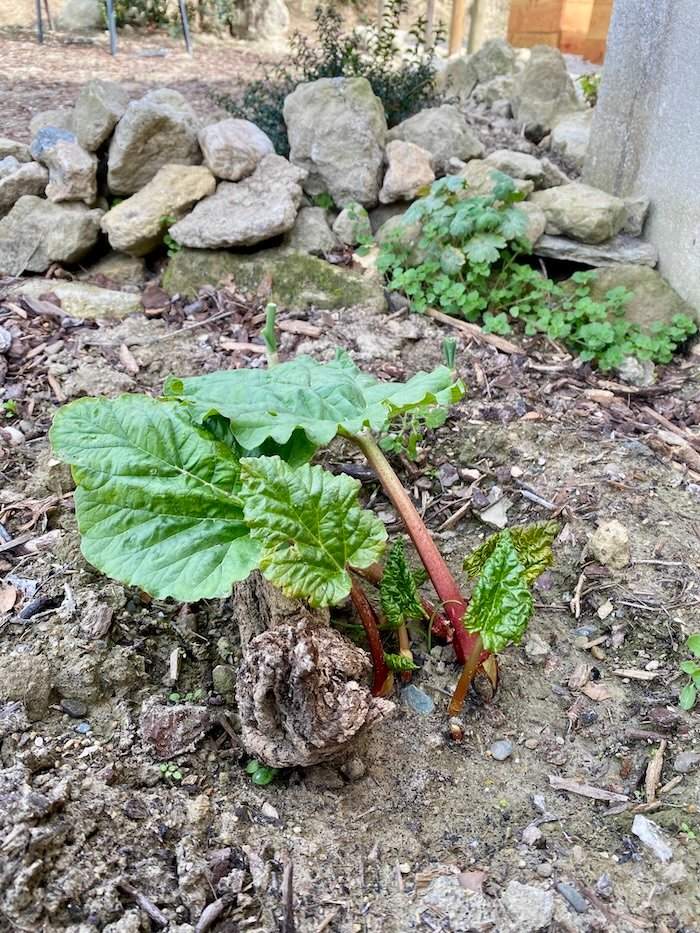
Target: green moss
(298, 279)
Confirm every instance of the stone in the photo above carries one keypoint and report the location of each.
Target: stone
(379, 216)
(553, 175)
(460, 910)
(311, 233)
(496, 91)
(652, 837)
(637, 212)
(224, 679)
(80, 16)
(10, 147)
(72, 170)
(37, 232)
(653, 299)
(610, 545)
(687, 762)
(138, 224)
(536, 220)
(643, 143)
(159, 129)
(61, 119)
(337, 133)
(233, 149)
(22, 178)
(478, 175)
(267, 19)
(298, 279)
(119, 268)
(501, 750)
(246, 212)
(641, 373)
(528, 907)
(81, 300)
(354, 768)
(574, 898)
(443, 132)
(517, 165)
(543, 92)
(26, 677)
(173, 729)
(410, 168)
(352, 225)
(457, 78)
(98, 109)
(76, 709)
(495, 57)
(617, 250)
(418, 700)
(581, 212)
(570, 137)
(407, 234)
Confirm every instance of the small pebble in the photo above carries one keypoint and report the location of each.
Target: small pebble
(604, 886)
(686, 762)
(571, 895)
(584, 630)
(545, 870)
(83, 728)
(75, 708)
(501, 750)
(354, 768)
(533, 836)
(417, 700)
(598, 653)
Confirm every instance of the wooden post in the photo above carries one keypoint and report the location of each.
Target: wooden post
(474, 24)
(430, 24)
(457, 26)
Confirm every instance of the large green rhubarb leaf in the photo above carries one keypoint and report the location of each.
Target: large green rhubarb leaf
(310, 528)
(322, 399)
(533, 544)
(398, 591)
(157, 497)
(501, 603)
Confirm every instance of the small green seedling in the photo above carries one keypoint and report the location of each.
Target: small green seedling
(9, 408)
(262, 775)
(689, 693)
(187, 698)
(173, 246)
(187, 494)
(590, 85)
(687, 832)
(170, 772)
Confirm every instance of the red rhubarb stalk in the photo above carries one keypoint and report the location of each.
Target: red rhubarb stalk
(383, 677)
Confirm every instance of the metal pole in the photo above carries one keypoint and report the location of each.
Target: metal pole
(185, 26)
(112, 26)
(48, 14)
(457, 26)
(39, 23)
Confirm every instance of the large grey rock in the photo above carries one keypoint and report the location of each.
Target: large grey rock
(528, 908)
(72, 170)
(159, 129)
(81, 300)
(10, 147)
(457, 77)
(337, 132)
(81, 16)
(570, 137)
(61, 119)
(543, 92)
(298, 279)
(478, 175)
(536, 220)
(38, 232)
(493, 59)
(98, 109)
(517, 165)
(117, 268)
(637, 212)
(497, 89)
(311, 233)
(443, 132)
(581, 212)
(26, 677)
(261, 206)
(463, 911)
(352, 225)
(233, 149)
(137, 225)
(409, 168)
(19, 178)
(616, 250)
(653, 299)
(267, 19)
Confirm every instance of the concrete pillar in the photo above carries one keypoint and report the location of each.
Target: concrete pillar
(645, 136)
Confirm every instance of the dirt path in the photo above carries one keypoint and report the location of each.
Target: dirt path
(35, 78)
(392, 837)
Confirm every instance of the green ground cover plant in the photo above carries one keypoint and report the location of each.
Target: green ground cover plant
(403, 82)
(186, 494)
(468, 261)
(689, 693)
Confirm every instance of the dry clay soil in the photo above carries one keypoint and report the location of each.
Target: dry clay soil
(85, 809)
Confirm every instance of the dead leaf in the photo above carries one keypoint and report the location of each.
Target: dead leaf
(580, 675)
(8, 597)
(596, 691)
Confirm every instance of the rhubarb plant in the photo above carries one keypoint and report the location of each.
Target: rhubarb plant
(187, 494)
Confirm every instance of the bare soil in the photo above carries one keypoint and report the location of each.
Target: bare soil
(94, 836)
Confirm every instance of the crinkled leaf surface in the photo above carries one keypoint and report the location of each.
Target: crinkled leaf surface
(310, 528)
(399, 664)
(319, 398)
(501, 604)
(157, 498)
(533, 544)
(398, 589)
